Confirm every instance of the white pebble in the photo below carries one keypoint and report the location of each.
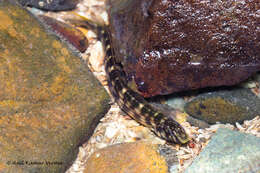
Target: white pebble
(111, 132)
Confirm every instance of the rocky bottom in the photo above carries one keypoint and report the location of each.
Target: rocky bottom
(117, 128)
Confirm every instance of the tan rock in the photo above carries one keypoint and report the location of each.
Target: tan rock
(50, 102)
(138, 157)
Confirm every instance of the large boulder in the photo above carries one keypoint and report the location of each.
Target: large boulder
(49, 100)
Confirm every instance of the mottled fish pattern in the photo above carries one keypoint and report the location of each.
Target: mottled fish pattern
(135, 105)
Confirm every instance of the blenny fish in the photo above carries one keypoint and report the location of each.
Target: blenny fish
(134, 104)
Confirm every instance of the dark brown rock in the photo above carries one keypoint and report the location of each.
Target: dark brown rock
(50, 102)
(51, 5)
(170, 46)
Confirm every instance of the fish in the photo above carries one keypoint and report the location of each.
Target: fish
(133, 104)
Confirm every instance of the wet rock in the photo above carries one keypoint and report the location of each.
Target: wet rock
(134, 157)
(53, 5)
(49, 101)
(170, 46)
(176, 102)
(257, 77)
(228, 151)
(226, 106)
(67, 32)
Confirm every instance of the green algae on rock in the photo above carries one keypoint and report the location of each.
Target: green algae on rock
(227, 106)
(49, 100)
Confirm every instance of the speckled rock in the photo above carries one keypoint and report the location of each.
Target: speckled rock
(141, 157)
(226, 106)
(169, 46)
(49, 100)
(51, 5)
(228, 151)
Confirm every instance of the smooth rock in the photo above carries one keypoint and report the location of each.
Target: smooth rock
(226, 106)
(50, 102)
(141, 157)
(228, 152)
(170, 46)
(176, 102)
(51, 5)
(68, 33)
(257, 77)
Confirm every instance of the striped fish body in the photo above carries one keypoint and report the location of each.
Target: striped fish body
(134, 105)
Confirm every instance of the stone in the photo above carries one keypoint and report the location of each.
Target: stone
(170, 46)
(257, 77)
(228, 151)
(50, 102)
(225, 106)
(68, 33)
(176, 102)
(53, 5)
(133, 157)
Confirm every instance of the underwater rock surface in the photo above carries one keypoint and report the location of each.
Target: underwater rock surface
(170, 46)
(226, 106)
(53, 5)
(50, 102)
(228, 151)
